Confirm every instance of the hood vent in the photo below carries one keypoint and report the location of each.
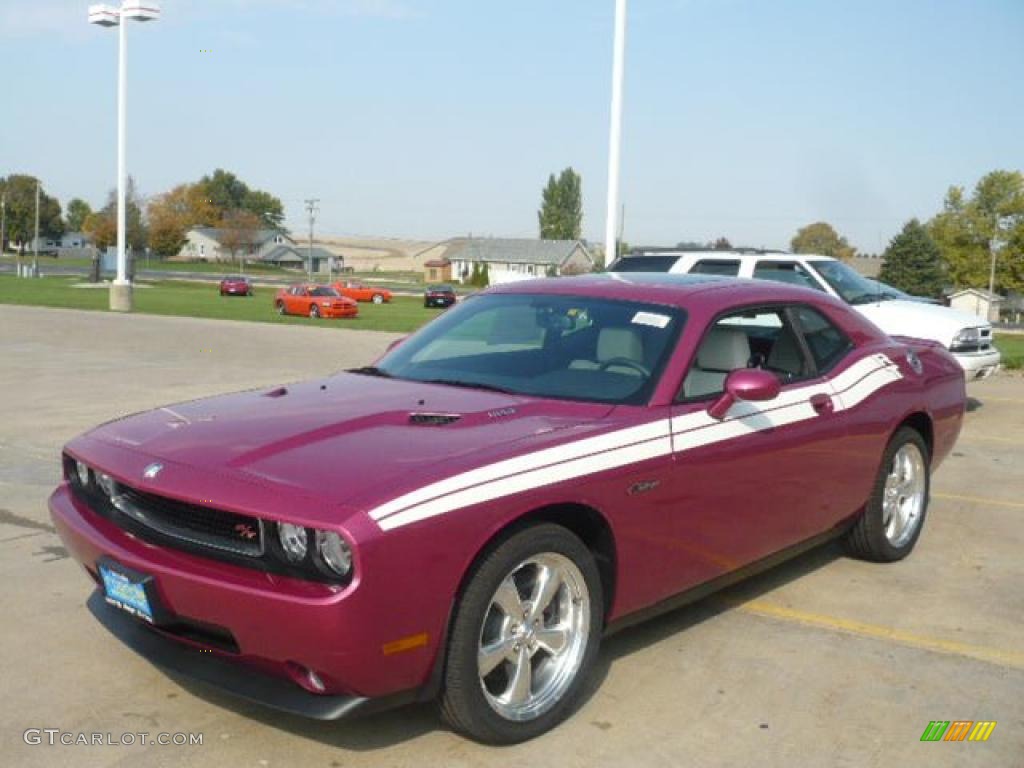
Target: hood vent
(433, 419)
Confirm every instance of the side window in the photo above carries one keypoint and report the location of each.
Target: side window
(788, 272)
(757, 338)
(827, 343)
(724, 267)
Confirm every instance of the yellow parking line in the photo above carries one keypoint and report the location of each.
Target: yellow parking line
(979, 500)
(890, 634)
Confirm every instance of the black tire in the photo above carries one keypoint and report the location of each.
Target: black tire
(377, 298)
(463, 703)
(868, 539)
(280, 308)
(314, 311)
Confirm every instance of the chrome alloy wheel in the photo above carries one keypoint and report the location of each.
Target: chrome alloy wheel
(904, 497)
(534, 636)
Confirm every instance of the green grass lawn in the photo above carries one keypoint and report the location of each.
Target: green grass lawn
(169, 297)
(1012, 347)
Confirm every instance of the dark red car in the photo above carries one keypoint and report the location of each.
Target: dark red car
(439, 296)
(236, 285)
(466, 519)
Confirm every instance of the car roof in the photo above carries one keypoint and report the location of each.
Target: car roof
(734, 254)
(667, 288)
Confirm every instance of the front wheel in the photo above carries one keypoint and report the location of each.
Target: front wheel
(314, 311)
(893, 518)
(525, 633)
(378, 299)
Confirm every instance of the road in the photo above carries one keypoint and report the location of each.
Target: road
(825, 661)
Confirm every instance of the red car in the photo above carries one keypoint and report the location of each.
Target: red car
(439, 296)
(314, 301)
(362, 292)
(465, 519)
(236, 285)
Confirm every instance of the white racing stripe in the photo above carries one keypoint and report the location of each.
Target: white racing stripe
(629, 446)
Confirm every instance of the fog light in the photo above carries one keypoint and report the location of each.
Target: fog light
(293, 541)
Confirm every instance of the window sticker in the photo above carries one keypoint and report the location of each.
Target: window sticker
(652, 319)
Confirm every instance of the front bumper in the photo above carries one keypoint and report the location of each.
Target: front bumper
(336, 312)
(979, 365)
(263, 626)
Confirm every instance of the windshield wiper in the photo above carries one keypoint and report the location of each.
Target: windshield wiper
(370, 370)
(871, 298)
(470, 385)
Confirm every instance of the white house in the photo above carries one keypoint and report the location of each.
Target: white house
(206, 244)
(511, 259)
(977, 301)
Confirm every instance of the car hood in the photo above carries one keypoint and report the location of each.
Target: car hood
(350, 440)
(919, 320)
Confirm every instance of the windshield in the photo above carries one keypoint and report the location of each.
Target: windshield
(851, 286)
(439, 289)
(569, 347)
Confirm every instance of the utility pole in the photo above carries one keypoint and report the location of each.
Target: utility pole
(312, 208)
(35, 244)
(611, 228)
(3, 223)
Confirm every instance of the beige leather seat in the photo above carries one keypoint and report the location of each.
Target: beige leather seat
(722, 351)
(615, 343)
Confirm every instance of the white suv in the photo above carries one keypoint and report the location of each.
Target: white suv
(967, 336)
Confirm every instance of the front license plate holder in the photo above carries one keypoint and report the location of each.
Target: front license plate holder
(129, 590)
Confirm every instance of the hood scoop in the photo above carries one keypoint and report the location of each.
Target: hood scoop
(433, 419)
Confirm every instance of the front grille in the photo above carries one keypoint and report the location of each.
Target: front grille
(433, 419)
(215, 528)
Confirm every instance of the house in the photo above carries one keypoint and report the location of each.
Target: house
(437, 271)
(207, 244)
(977, 301)
(511, 259)
(298, 256)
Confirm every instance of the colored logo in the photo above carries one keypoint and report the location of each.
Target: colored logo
(245, 531)
(958, 730)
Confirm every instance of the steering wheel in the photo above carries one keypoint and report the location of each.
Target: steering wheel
(625, 362)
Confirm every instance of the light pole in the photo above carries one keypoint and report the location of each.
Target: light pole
(109, 16)
(992, 251)
(615, 134)
(312, 208)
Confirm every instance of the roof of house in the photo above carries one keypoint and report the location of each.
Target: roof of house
(297, 253)
(515, 250)
(262, 235)
(985, 294)
(437, 263)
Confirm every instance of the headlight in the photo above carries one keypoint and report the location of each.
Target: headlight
(966, 338)
(293, 541)
(334, 551)
(107, 484)
(82, 472)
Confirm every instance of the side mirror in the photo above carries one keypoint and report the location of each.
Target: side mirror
(745, 384)
(396, 342)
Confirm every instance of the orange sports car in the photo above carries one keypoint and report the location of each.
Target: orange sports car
(361, 292)
(314, 301)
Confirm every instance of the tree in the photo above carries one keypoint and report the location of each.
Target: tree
(172, 214)
(78, 212)
(101, 229)
(913, 262)
(969, 228)
(20, 193)
(561, 211)
(226, 192)
(721, 244)
(239, 231)
(102, 226)
(822, 239)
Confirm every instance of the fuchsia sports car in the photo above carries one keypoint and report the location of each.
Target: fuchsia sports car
(542, 464)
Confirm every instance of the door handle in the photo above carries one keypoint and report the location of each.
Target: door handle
(822, 403)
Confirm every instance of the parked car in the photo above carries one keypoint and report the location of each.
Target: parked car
(314, 301)
(967, 336)
(236, 285)
(361, 292)
(439, 296)
(467, 517)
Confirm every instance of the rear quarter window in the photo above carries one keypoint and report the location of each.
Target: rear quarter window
(723, 267)
(827, 343)
(643, 264)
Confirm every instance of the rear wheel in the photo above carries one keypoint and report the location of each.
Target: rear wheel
(314, 311)
(525, 634)
(894, 516)
(280, 308)
(378, 299)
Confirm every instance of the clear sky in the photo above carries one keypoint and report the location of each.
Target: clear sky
(431, 118)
